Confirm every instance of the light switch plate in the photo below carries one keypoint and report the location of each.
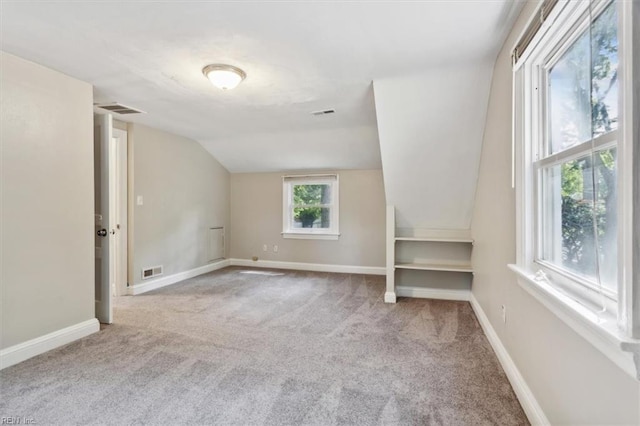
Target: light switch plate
(139, 200)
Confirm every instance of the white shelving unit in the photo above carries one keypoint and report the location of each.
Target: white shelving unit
(436, 239)
(434, 267)
(437, 263)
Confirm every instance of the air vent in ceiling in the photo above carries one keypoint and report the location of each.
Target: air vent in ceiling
(119, 108)
(324, 112)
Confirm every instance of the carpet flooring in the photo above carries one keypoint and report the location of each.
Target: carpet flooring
(267, 347)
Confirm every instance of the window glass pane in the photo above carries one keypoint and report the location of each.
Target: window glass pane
(604, 69)
(569, 92)
(583, 86)
(312, 217)
(569, 204)
(311, 194)
(606, 217)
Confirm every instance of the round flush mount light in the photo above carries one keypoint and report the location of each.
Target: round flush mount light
(225, 77)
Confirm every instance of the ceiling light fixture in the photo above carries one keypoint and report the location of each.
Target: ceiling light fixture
(225, 77)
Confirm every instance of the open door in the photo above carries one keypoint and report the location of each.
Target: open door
(104, 186)
(120, 141)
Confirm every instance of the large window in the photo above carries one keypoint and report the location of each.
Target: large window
(576, 155)
(573, 133)
(310, 206)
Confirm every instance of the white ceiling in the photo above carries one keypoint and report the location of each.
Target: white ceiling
(299, 57)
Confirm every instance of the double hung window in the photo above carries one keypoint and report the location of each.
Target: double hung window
(573, 138)
(310, 206)
(575, 155)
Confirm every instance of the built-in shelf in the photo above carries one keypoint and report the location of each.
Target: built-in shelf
(433, 263)
(436, 239)
(434, 267)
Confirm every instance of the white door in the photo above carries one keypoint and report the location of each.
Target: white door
(104, 186)
(120, 218)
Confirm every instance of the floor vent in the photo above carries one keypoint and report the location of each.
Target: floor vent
(119, 108)
(151, 272)
(324, 112)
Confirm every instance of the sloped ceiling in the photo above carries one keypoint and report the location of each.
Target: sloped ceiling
(299, 57)
(430, 129)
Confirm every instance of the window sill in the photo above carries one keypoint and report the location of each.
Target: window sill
(600, 330)
(309, 236)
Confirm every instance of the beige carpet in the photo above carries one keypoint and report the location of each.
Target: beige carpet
(243, 347)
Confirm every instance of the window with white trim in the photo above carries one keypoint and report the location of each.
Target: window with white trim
(310, 206)
(572, 189)
(575, 154)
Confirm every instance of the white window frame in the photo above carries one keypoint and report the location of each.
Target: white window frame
(288, 230)
(570, 297)
(542, 61)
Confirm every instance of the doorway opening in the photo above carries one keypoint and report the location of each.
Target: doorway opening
(111, 216)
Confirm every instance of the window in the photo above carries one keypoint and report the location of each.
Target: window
(576, 156)
(310, 206)
(574, 199)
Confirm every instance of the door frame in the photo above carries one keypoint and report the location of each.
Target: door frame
(121, 170)
(104, 187)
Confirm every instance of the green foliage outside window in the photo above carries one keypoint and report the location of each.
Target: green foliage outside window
(312, 196)
(587, 214)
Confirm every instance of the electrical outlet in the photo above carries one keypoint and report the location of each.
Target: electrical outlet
(275, 248)
(504, 314)
(264, 247)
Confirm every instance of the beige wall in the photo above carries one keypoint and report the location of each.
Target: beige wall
(256, 219)
(185, 192)
(573, 382)
(47, 201)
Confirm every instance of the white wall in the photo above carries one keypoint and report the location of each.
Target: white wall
(185, 192)
(573, 382)
(354, 147)
(256, 219)
(46, 188)
(430, 129)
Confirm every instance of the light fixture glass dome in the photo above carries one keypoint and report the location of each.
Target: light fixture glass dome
(225, 77)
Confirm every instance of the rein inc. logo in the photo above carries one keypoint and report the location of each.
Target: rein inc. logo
(17, 420)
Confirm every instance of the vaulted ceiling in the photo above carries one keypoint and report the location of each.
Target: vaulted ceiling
(299, 57)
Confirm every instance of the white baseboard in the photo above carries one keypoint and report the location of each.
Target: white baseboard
(529, 403)
(319, 267)
(432, 293)
(172, 279)
(23, 351)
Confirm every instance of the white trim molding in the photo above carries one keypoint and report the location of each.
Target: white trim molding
(318, 267)
(390, 295)
(432, 293)
(529, 403)
(23, 351)
(310, 236)
(288, 206)
(601, 330)
(164, 281)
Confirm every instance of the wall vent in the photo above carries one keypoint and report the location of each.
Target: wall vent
(216, 243)
(151, 272)
(119, 108)
(324, 112)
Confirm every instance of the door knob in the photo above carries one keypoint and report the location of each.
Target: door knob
(102, 233)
